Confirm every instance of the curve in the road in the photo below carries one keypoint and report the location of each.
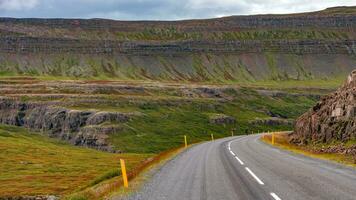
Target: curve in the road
(243, 168)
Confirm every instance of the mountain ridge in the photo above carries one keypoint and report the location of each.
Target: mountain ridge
(314, 45)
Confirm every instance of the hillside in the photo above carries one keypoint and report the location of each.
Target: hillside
(32, 164)
(305, 46)
(145, 117)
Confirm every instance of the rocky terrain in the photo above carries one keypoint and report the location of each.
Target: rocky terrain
(315, 45)
(331, 121)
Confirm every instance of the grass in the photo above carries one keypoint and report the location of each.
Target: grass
(172, 34)
(136, 177)
(161, 126)
(35, 165)
(331, 83)
(201, 77)
(281, 141)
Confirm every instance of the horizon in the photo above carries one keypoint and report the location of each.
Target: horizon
(188, 19)
(158, 10)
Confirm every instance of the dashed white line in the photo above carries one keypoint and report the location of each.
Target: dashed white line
(240, 161)
(254, 176)
(237, 158)
(275, 196)
(232, 153)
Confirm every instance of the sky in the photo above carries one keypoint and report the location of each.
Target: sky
(158, 9)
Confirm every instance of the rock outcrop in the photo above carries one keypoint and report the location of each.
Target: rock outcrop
(80, 127)
(222, 119)
(272, 121)
(331, 119)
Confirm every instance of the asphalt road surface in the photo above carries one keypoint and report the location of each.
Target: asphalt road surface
(243, 168)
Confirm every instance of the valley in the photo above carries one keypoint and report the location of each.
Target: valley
(77, 95)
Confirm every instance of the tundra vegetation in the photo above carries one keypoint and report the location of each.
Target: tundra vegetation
(159, 115)
(77, 95)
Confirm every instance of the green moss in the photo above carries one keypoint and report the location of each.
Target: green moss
(7, 73)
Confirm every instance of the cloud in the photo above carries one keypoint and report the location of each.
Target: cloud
(16, 5)
(158, 9)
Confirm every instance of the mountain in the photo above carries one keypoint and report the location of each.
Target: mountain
(304, 46)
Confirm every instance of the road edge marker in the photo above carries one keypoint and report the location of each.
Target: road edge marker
(123, 172)
(185, 142)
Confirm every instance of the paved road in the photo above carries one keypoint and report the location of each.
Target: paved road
(249, 169)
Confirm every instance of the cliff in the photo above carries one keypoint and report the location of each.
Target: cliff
(80, 127)
(237, 48)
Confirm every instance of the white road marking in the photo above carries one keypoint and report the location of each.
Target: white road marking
(232, 153)
(275, 196)
(240, 161)
(254, 176)
(237, 158)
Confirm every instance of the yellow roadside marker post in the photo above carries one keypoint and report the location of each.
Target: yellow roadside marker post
(272, 138)
(233, 132)
(123, 171)
(212, 137)
(185, 141)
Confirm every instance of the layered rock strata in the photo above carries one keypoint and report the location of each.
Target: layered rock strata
(80, 127)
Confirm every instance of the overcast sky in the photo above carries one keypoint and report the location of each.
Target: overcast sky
(158, 9)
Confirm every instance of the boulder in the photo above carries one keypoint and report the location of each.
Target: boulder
(95, 136)
(101, 117)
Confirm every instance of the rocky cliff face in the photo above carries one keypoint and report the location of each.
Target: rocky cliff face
(332, 119)
(25, 45)
(84, 128)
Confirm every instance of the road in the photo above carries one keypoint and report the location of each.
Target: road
(243, 168)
